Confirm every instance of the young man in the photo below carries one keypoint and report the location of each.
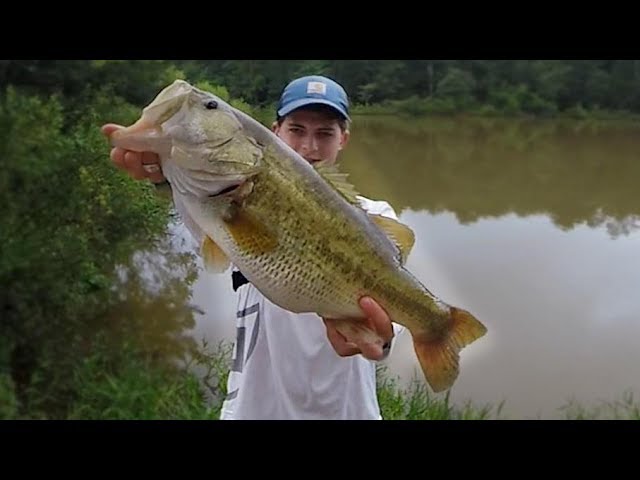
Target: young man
(286, 365)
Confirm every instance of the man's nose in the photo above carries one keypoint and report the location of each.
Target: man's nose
(310, 144)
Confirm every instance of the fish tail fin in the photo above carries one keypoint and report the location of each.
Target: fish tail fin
(439, 357)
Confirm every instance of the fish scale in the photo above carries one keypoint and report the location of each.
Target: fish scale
(297, 270)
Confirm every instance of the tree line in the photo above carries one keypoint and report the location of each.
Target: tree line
(532, 86)
(539, 87)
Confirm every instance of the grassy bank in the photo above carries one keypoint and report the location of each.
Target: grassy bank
(134, 385)
(137, 386)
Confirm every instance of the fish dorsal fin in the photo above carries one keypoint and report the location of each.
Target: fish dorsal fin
(401, 235)
(215, 260)
(339, 181)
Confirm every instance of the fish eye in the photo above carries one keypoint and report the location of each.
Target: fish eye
(211, 105)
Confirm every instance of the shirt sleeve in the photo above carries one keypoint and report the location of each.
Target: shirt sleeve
(377, 207)
(388, 347)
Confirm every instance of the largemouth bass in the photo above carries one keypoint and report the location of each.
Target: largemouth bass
(296, 231)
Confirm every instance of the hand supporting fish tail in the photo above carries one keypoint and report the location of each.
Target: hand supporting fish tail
(367, 336)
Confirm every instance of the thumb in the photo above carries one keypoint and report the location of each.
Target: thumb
(109, 128)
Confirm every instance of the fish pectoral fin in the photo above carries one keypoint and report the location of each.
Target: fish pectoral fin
(249, 234)
(439, 357)
(338, 180)
(401, 235)
(215, 260)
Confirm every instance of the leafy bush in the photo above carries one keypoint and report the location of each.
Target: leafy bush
(68, 218)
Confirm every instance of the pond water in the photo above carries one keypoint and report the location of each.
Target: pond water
(532, 225)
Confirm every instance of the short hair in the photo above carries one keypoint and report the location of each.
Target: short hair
(321, 108)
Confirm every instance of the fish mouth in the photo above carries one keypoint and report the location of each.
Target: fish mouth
(227, 190)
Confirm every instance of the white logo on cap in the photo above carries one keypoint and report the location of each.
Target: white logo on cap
(317, 87)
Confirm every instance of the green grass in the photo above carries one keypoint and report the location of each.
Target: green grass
(624, 408)
(416, 402)
(136, 386)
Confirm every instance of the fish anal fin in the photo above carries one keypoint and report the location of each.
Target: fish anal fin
(338, 180)
(439, 356)
(398, 233)
(214, 259)
(357, 331)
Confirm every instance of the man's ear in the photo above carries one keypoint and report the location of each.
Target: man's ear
(345, 139)
(274, 127)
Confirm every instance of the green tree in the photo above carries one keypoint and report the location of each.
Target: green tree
(68, 219)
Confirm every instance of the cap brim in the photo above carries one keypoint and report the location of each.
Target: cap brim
(311, 101)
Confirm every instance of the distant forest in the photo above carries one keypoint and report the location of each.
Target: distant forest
(538, 87)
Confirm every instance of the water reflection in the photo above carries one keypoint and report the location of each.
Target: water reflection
(153, 304)
(560, 307)
(574, 172)
(531, 225)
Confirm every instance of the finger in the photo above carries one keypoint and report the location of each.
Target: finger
(149, 158)
(151, 165)
(372, 351)
(109, 128)
(157, 177)
(378, 318)
(117, 157)
(133, 165)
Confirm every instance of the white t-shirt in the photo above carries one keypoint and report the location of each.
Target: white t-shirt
(284, 367)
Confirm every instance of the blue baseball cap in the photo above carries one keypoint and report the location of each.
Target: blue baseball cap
(313, 89)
